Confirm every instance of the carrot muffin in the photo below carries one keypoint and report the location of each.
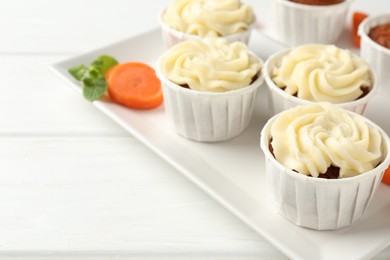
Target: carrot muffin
(209, 17)
(318, 139)
(195, 19)
(323, 73)
(210, 65)
(306, 142)
(318, 73)
(210, 87)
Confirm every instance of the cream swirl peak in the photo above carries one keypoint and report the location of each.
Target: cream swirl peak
(210, 64)
(311, 138)
(208, 17)
(323, 73)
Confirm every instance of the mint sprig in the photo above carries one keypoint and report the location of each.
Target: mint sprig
(94, 88)
(92, 77)
(78, 71)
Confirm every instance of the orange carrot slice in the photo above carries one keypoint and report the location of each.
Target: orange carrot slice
(386, 176)
(135, 85)
(357, 18)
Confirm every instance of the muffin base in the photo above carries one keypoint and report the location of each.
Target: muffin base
(321, 204)
(209, 116)
(297, 24)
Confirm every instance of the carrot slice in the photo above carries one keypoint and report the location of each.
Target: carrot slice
(135, 85)
(386, 176)
(357, 18)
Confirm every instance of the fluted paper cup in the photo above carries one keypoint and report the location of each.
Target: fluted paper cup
(279, 100)
(376, 55)
(296, 24)
(321, 204)
(209, 116)
(172, 37)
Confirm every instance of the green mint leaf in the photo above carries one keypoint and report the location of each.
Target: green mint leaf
(106, 62)
(88, 82)
(94, 88)
(77, 72)
(101, 65)
(94, 82)
(93, 93)
(101, 82)
(94, 72)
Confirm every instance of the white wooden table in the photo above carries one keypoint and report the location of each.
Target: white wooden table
(72, 183)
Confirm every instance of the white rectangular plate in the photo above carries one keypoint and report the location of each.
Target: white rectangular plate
(233, 172)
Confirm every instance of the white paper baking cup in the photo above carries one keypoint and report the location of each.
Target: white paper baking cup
(279, 100)
(172, 37)
(376, 55)
(295, 24)
(209, 116)
(316, 203)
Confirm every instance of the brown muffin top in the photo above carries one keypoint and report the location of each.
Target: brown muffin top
(381, 35)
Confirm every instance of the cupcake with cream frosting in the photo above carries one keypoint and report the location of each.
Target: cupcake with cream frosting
(318, 73)
(323, 164)
(194, 19)
(210, 87)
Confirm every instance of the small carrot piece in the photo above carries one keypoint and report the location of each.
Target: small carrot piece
(357, 18)
(386, 176)
(135, 85)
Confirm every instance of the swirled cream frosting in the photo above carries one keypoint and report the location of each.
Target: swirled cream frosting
(210, 64)
(208, 17)
(309, 139)
(323, 73)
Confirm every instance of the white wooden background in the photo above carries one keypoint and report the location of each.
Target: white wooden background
(72, 183)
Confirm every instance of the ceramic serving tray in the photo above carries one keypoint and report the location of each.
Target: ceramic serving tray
(233, 172)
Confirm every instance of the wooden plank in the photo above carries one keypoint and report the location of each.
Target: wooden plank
(131, 202)
(35, 102)
(72, 26)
